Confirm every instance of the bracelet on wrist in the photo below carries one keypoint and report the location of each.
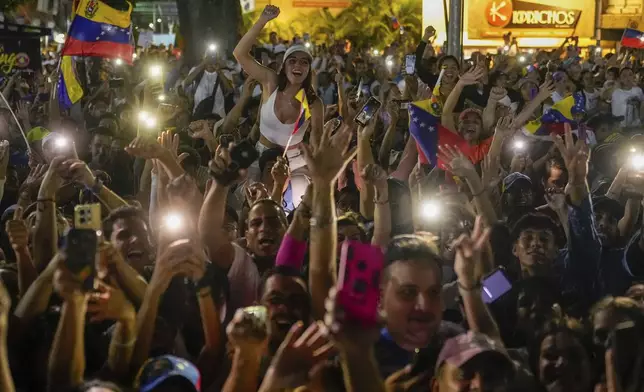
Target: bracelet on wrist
(476, 286)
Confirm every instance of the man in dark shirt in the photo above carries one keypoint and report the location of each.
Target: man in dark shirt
(117, 164)
(412, 300)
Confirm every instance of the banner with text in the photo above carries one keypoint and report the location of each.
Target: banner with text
(19, 54)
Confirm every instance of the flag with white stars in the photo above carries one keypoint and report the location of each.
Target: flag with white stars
(568, 110)
(99, 30)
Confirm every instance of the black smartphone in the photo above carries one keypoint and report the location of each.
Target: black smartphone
(243, 155)
(80, 247)
(626, 342)
(495, 285)
(367, 112)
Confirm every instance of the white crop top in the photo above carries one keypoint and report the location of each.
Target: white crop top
(276, 131)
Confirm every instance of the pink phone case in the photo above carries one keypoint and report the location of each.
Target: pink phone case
(359, 281)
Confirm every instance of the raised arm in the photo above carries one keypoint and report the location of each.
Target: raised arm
(375, 177)
(213, 210)
(545, 90)
(469, 267)
(6, 382)
(468, 78)
(67, 356)
(266, 76)
(46, 233)
(325, 162)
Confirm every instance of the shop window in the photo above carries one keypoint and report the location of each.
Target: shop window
(630, 7)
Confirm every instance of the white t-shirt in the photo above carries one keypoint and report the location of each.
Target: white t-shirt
(621, 105)
(204, 90)
(243, 279)
(592, 100)
(275, 49)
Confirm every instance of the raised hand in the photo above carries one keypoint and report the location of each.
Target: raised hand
(430, 31)
(469, 254)
(256, 191)
(109, 303)
(300, 352)
(472, 76)
(142, 148)
(17, 231)
(455, 161)
(374, 175)
(201, 129)
(247, 333)
(280, 171)
(329, 158)
(270, 12)
(79, 172)
(575, 156)
(66, 284)
(52, 180)
(546, 90)
(504, 127)
(24, 109)
(497, 94)
(5, 308)
(220, 168)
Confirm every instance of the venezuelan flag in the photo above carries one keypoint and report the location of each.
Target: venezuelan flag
(101, 31)
(426, 129)
(305, 110)
(633, 39)
(70, 90)
(561, 112)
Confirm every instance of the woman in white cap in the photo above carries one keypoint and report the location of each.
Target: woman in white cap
(280, 109)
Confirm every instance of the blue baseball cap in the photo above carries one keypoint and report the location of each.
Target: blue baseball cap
(159, 369)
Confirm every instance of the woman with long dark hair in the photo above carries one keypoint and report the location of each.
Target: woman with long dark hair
(280, 109)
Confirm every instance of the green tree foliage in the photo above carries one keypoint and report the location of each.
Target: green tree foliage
(366, 23)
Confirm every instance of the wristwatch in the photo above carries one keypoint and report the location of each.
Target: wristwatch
(97, 187)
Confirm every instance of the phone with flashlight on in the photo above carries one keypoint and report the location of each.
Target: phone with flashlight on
(81, 243)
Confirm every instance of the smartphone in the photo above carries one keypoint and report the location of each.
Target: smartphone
(495, 285)
(626, 341)
(116, 83)
(367, 112)
(88, 216)
(423, 361)
(243, 155)
(80, 246)
(359, 281)
(410, 64)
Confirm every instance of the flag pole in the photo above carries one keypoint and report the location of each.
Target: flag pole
(22, 131)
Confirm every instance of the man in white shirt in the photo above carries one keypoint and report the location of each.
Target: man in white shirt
(627, 100)
(274, 46)
(201, 82)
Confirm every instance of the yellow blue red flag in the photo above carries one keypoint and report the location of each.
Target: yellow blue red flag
(99, 30)
(305, 110)
(560, 113)
(70, 90)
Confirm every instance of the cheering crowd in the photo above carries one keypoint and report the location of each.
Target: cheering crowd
(314, 217)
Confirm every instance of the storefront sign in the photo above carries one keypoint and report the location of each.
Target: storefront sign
(522, 14)
(19, 55)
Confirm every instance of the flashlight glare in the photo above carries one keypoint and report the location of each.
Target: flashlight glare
(307, 44)
(431, 209)
(155, 71)
(389, 63)
(151, 122)
(633, 149)
(598, 49)
(506, 48)
(134, 55)
(162, 97)
(61, 142)
(143, 115)
(522, 59)
(118, 62)
(531, 51)
(519, 144)
(376, 52)
(212, 47)
(173, 221)
(637, 161)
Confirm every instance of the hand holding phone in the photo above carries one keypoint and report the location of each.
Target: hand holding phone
(368, 110)
(359, 282)
(410, 64)
(227, 169)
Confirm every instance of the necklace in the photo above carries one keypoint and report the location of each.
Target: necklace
(289, 100)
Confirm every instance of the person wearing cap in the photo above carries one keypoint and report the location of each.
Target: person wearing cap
(168, 373)
(472, 361)
(606, 127)
(517, 196)
(281, 111)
